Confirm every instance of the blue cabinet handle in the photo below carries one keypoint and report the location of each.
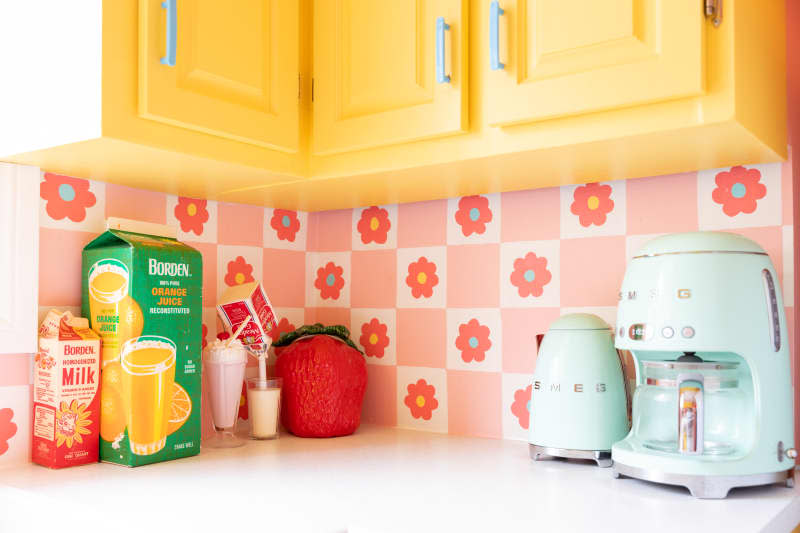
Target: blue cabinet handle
(441, 74)
(494, 36)
(172, 31)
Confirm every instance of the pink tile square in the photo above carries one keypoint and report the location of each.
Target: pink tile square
(240, 224)
(422, 224)
(328, 316)
(60, 266)
(530, 215)
(330, 231)
(662, 204)
(14, 369)
(209, 253)
(422, 337)
(474, 403)
(380, 400)
(771, 239)
(373, 278)
(284, 277)
(520, 327)
(591, 271)
(136, 204)
(472, 274)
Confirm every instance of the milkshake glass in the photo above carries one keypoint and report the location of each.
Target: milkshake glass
(224, 370)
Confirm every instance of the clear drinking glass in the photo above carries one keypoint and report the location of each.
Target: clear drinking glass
(224, 369)
(264, 407)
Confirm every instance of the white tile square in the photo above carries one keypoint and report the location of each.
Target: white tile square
(327, 269)
(578, 219)
(236, 262)
(473, 219)
(409, 376)
(438, 292)
(375, 227)
(609, 314)
(196, 220)
(66, 197)
(212, 325)
(511, 253)
(285, 229)
(469, 329)
(18, 401)
(788, 265)
(711, 215)
(371, 328)
(516, 395)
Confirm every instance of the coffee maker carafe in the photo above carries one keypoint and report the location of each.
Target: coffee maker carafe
(702, 314)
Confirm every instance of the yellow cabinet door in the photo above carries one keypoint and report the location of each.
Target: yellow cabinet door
(375, 77)
(559, 58)
(235, 72)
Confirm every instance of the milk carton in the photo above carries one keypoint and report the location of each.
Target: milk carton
(248, 300)
(66, 401)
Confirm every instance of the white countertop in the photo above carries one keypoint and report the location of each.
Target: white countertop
(378, 480)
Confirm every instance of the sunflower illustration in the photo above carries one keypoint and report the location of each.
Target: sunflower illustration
(71, 422)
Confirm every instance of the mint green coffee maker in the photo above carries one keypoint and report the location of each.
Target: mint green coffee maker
(702, 314)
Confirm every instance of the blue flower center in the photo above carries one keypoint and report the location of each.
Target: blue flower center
(66, 192)
(285, 221)
(738, 190)
(473, 342)
(528, 406)
(330, 280)
(474, 214)
(529, 275)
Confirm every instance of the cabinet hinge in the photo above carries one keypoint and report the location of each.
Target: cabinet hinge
(713, 10)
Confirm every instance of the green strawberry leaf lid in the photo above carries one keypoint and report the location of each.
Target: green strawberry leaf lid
(340, 332)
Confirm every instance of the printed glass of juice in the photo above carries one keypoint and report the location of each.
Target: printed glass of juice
(109, 305)
(148, 375)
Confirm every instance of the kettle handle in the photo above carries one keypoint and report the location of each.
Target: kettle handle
(539, 339)
(621, 354)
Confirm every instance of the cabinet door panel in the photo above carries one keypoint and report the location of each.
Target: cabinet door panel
(374, 80)
(235, 74)
(582, 56)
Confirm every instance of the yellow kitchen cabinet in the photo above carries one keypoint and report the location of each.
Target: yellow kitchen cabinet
(191, 97)
(551, 58)
(388, 72)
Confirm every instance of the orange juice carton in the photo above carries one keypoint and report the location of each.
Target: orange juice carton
(248, 300)
(143, 293)
(66, 399)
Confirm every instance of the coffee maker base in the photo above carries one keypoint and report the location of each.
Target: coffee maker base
(701, 486)
(601, 457)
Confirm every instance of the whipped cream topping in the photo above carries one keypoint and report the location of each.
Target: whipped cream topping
(220, 352)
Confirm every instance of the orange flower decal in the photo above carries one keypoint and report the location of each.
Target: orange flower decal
(473, 214)
(66, 197)
(284, 326)
(521, 408)
(7, 428)
(239, 271)
(374, 225)
(192, 214)
(373, 338)
(473, 341)
(285, 223)
(738, 190)
(421, 399)
(329, 281)
(422, 278)
(530, 275)
(592, 202)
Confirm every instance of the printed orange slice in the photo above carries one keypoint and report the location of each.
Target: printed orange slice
(181, 408)
(112, 414)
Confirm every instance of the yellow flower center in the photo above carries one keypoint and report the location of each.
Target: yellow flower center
(239, 278)
(374, 223)
(422, 277)
(373, 339)
(191, 210)
(593, 202)
(420, 401)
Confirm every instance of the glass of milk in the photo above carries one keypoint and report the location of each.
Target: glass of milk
(224, 365)
(264, 407)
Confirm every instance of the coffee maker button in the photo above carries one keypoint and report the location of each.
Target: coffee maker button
(687, 332)
(667, 332)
